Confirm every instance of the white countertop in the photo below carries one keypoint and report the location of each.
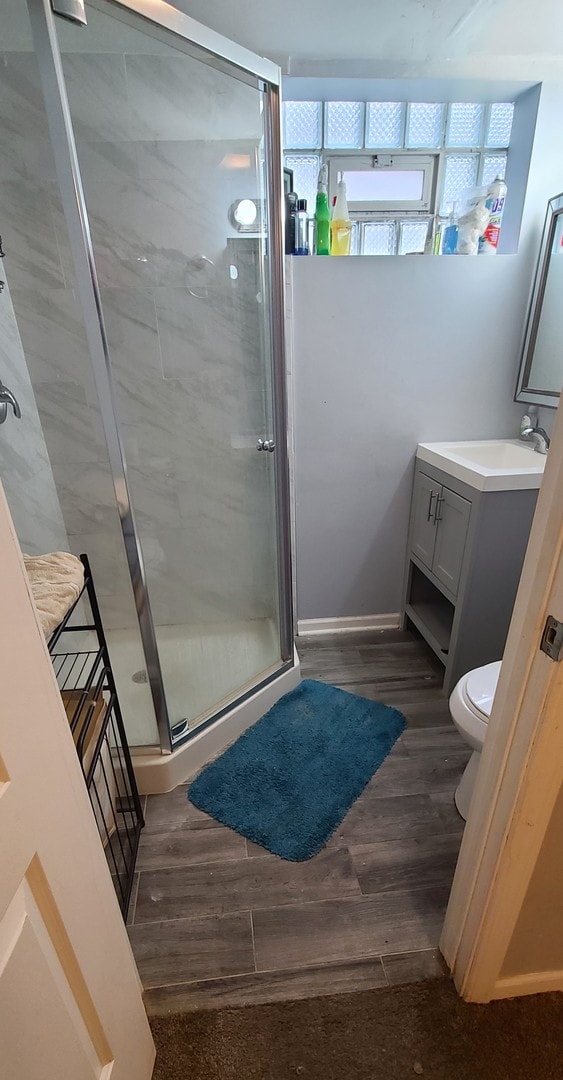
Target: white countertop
(487, 465)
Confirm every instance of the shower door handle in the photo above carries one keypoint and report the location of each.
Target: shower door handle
(266, 444)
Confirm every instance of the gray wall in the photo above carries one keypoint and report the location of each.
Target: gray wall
(389, 353)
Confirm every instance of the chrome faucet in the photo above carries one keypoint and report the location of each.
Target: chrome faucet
(537, 435)
(7, 398)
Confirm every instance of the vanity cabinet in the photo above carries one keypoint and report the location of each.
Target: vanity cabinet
(439, 532)
(465, 553)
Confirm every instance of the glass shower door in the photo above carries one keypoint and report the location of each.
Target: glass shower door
(171, 146)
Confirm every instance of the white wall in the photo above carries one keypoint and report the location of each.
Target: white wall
(390, 352)
(500, 39)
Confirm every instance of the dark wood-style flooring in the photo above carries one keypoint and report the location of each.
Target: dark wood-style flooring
(216, 920)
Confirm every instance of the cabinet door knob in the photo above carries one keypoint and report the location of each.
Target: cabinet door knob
(437, 515)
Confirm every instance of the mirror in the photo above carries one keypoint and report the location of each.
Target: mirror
(541, 367)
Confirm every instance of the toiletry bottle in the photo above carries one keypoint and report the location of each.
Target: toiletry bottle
(340, 226)
(496, 197)
(301, 229)
(290, 199)
(322, 215)
(449, 239)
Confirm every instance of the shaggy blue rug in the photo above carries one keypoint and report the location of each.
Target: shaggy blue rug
(289, 780)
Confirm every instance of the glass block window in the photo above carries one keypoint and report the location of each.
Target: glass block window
(465, 124)
(499, 124)
(461, 143)
(412, 237)
(384, 123)
(425, 123)
(460, 173)
(379, 238)
(344, 124)
(302, 125)
(305, 176)
(493, 165)
(355, 242)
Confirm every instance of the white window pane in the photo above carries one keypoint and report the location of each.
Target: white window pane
(384, 123)
(460, 173)
(302, 125)
(412, 237)
(493, 165)
(425, 122)
(384, 185)
(344, 122)
(465, 124)
(500, 124)
(379, 238)
(305, 176)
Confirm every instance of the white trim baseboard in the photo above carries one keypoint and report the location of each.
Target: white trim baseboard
(348, 624)
(536, 982)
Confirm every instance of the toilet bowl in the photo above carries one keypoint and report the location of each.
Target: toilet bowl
(471, 702)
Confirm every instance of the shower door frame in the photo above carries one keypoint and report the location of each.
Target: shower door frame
(224, 55)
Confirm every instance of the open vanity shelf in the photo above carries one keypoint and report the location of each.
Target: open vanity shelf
(464, 558)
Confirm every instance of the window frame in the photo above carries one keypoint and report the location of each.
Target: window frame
(360, 162)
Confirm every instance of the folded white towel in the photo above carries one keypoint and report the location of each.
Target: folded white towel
(56, 580)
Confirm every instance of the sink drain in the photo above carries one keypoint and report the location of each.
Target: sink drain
(139, 677)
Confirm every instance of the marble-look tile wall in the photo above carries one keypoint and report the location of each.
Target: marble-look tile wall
(25, 469)
(165, 146)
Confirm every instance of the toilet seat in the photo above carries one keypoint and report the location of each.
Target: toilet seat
(471, 702)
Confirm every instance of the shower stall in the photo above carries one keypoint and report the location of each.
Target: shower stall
(142, 331)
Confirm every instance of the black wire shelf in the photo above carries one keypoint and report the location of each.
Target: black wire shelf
(84, 675)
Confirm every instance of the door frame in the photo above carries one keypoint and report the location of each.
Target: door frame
(520, 775)
(227, 55)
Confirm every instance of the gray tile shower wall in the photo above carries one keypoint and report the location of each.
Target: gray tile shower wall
(185, 366)
(25, 469)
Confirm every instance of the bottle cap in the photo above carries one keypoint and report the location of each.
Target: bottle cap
(302, 204)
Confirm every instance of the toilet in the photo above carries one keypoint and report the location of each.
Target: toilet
(471, 702)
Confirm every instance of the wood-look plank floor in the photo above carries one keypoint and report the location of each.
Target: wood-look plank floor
(217, 920)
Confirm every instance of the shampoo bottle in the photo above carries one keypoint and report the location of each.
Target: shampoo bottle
(322, 215)
(340, 226)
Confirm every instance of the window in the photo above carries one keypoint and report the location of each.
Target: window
(405, 163)
(383, 182)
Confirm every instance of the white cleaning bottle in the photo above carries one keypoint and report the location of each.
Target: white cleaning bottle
(496, 197)
(340, 226)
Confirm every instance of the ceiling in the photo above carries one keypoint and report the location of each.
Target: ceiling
(413, 37)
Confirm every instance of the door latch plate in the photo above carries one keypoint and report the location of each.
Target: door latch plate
(552, 638)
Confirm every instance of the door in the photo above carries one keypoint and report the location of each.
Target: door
(70, 1000)
(173, 208)
(452, 520)
(426, 492)
(502, 934)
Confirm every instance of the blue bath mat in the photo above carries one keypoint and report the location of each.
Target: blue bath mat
(289, 780)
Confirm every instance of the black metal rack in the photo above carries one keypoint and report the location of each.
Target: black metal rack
(83, 669)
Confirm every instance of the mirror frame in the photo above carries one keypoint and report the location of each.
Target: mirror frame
(527, 394)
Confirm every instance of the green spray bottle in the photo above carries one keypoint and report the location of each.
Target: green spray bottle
(322, 215)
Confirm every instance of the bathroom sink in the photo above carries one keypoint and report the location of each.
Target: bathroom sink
(489, 465)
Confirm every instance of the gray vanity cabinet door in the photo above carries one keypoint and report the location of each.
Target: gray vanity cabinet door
(425, 495)
(452, 514)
